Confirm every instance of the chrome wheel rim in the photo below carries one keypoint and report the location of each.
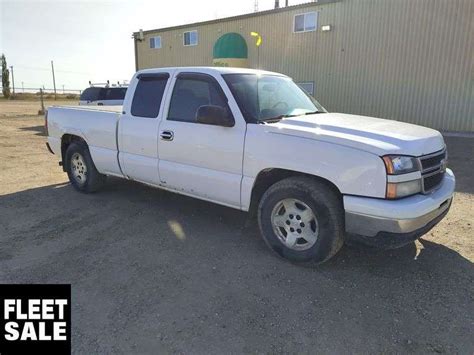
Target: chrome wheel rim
(78, 168)
(295, 224)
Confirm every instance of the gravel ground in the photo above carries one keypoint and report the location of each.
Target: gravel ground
(153, 271)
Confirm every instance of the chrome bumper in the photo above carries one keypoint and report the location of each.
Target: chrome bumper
(372, 217)
(372, 225)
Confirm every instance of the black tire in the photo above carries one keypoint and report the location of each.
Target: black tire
(327, 208)
(93, 180)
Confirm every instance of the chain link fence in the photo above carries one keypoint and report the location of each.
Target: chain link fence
(58, 94)
(45, 96)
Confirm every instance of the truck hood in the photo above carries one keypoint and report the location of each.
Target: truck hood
(374, 135)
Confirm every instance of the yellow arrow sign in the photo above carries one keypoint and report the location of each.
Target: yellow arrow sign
(259, 38)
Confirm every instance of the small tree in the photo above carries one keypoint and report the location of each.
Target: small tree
(5, 78)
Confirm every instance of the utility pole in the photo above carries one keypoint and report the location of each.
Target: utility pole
(41, 112)
(63, 89)
(22, 87)
(54, 80)
(13, 80)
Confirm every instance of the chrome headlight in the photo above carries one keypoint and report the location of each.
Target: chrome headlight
(400, 164)
(399, 186)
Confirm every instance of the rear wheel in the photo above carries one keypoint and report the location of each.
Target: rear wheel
(81, 170)
(302, 220)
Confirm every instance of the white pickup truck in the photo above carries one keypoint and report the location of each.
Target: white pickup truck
(254, 141)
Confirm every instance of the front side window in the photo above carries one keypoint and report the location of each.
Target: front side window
(155, 42)
(148, 95)
(192, 92)
(263, 97)
(306, 22)
(190, 38)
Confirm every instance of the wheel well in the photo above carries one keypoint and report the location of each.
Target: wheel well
(268, 177)
(66, 140)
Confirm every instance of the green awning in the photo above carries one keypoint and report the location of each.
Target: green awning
(230, 45)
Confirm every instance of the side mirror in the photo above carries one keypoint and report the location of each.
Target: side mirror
(214, 115)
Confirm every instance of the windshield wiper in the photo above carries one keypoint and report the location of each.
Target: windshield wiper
(280, 117)
(275, 119)
(313, 112)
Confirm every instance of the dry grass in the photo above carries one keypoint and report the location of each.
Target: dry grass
(17, 108)
(46, 96)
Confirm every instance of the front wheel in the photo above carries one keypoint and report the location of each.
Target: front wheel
(81, 170)
(302, 220)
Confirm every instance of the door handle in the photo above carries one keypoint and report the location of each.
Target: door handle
(167, 135)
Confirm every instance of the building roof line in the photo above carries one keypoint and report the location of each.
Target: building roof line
(238, 17)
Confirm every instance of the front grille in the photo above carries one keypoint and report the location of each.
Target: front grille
(433, 167)
(431, 182)
(432, 162)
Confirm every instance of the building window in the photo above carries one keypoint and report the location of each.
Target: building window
(306, 22)
(307, 86)
(155, 42)
(190, 38)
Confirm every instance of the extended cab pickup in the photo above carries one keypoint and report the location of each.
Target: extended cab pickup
(254, 141)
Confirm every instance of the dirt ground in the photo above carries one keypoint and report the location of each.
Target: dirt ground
(153, 271)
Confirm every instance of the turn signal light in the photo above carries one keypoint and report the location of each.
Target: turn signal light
(403, 189)
(391, 190)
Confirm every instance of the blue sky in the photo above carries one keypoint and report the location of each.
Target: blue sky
(91, 40)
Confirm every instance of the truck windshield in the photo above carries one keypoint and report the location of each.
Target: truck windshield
(270, 97)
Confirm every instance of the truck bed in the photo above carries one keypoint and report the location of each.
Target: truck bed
(97, 125)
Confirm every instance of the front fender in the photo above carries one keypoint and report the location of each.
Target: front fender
(352, 171)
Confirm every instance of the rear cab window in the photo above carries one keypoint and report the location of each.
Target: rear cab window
(148, 94)
(114, 93)
(91, 94)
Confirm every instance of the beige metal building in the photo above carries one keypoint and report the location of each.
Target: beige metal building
(408, 60)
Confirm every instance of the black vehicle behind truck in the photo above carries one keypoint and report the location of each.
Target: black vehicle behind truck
(108, 96)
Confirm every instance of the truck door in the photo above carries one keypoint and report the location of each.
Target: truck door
(138, 128)
(201, 159)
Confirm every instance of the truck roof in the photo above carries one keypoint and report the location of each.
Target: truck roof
(213, 70)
